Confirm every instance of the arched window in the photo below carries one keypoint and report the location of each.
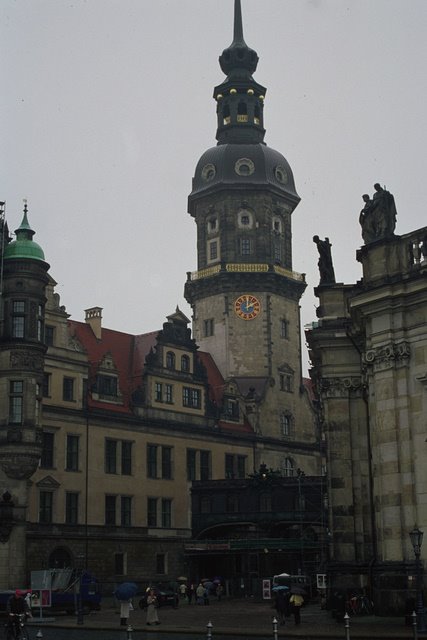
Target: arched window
(185, 363)
(285, 424)
(226, 114)
(170, 360)
(288, 467)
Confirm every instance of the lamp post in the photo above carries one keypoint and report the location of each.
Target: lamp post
(416, 537)
(301, 505)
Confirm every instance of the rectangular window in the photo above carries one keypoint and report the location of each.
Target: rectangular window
(48, 440)
(18, 326)
(167, 463)
(161, 563)
(110, 456)
(126, 458)
(18, 318)
(46, 507)
(286, 382)
(110, 510)
(277, 251)
(245, 247)
(151, 512)
(231, 409)
(235, 466)
(49, 334)
(47, 377)
(151, 461)
(106, 385)
(213, 250)
(68, 389)
(205, 465)
(284, 328)
(191, 397)
(166, 513)
(126, 511)
(16, 401)
(208, 327)
(241, 466)
(120, 564)
(191, 464)
(71, 507)
(169, 393)
(158, 392)
(72, 461)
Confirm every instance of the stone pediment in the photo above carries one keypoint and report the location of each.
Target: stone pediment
(48, 483)
(285, 368)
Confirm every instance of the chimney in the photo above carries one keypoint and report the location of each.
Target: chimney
(94, 319)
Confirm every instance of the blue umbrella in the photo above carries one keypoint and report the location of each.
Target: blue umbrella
(126, 590)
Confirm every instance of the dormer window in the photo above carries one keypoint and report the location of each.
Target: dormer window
(106, 385)
(170, 360)
(185, 363)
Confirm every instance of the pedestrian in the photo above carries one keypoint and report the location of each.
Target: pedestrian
(183, 590)
(200, 592)
(125, 609)
(152, 604)
(206, 595)
(296, 601)
(282, 606)
(190, 593)
(219, 591)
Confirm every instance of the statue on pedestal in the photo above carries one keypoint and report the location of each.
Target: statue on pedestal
(326, 267)
(378, 216)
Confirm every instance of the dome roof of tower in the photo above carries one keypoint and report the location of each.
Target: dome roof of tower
(24, 245)
(243, 166)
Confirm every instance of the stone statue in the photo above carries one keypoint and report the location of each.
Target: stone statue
(378, 216)
(326, 268)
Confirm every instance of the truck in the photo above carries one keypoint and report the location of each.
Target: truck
(66, 585)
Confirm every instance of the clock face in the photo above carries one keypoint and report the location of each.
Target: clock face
(247, 307)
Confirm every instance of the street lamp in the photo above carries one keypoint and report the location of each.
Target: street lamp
(301, 506)
(416, 537)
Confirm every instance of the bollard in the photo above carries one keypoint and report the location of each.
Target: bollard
(129, 632)
(39, 634)
(209, 628)
(274, 628)
(414, 625)
(347, 626)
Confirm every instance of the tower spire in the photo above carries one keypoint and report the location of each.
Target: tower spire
(238, 61)
(238, 23)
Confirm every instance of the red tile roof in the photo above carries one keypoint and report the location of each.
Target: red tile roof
(127, 351)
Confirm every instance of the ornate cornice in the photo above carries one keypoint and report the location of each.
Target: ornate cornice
(341, 387)
(390, 356)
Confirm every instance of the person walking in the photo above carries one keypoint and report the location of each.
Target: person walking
(296, 601)
(152, 604)
(200, 593)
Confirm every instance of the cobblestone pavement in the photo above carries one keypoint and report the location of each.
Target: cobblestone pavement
(243, 617)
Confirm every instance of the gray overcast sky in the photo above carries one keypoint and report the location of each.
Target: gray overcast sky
(106, 106)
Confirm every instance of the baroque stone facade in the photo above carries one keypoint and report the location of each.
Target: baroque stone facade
(368, 353)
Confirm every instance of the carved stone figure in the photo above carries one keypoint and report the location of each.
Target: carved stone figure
(378, 216)
(326, 267)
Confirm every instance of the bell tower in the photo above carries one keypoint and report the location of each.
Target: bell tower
(245, 294)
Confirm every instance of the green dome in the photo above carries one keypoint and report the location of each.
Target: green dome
(24, 245)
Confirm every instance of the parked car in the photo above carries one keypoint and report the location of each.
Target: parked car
(164, 597)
